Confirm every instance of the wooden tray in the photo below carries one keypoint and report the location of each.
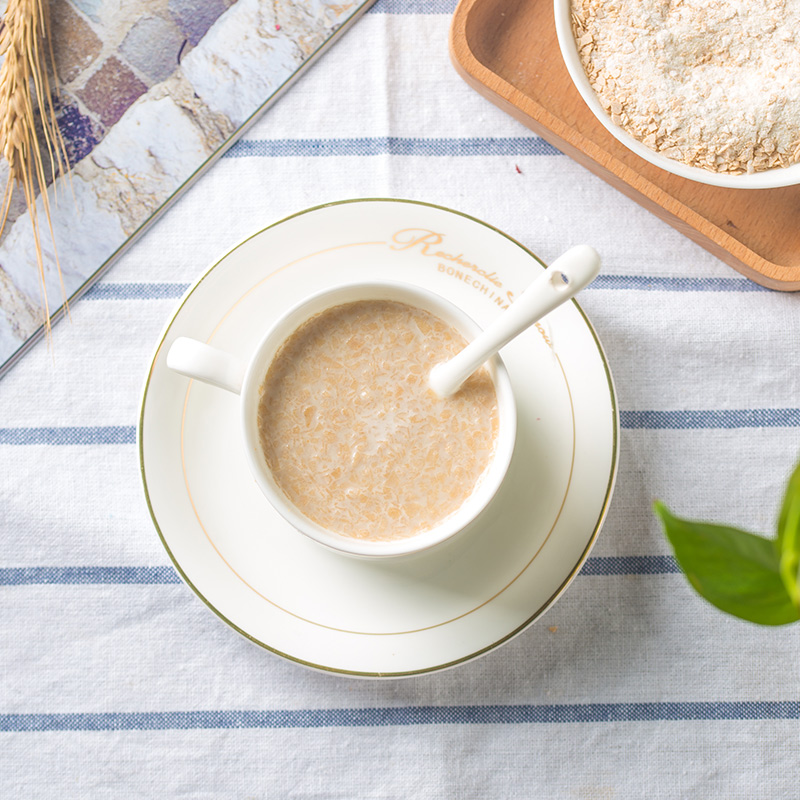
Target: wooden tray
(507, 50)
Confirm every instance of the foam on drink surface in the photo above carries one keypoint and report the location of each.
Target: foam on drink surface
(354, 436)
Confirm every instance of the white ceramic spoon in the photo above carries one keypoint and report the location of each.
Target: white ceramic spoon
(562, 280)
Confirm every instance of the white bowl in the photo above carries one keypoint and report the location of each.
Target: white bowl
(768, 179)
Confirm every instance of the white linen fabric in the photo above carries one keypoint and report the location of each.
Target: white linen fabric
(116, 681)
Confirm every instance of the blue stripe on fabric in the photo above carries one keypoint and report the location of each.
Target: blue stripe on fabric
(665, 284)
(726, 418)
(629, 565)
(391, 145)
(629, 420)
(76, 435)
(403, 716)
(76, 576)
(136, 291)
(171, 291)
(413, 7)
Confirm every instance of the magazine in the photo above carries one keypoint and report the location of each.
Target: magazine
(150, 94)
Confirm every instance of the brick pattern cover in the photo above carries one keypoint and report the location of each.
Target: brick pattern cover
(150, 93)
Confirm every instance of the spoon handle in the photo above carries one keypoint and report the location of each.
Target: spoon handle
(562, 280)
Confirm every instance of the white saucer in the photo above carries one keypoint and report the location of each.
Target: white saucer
(397, 617)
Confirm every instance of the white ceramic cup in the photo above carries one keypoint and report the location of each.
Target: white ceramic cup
(202, 362)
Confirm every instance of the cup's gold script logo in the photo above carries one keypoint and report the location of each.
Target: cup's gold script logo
(428, 243)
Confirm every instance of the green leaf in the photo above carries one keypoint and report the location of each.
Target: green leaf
(788, 541)
(737, 571)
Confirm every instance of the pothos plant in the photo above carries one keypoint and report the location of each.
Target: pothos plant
(752, 577)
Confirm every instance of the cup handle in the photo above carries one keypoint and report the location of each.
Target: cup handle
(205, 363)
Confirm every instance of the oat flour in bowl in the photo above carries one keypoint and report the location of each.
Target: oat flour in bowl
(353, 435)
(712, 83)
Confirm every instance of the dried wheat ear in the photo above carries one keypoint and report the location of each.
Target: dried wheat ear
(30, 139)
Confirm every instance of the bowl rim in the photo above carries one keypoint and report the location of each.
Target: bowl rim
(766, 179)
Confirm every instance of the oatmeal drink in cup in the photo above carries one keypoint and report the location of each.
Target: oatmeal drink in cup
(342, 431)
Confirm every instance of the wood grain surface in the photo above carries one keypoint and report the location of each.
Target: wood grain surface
(507, 50)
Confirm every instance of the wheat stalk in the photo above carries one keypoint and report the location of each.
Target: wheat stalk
(25, 96)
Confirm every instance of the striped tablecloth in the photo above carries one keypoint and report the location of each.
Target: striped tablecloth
(115, 681)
